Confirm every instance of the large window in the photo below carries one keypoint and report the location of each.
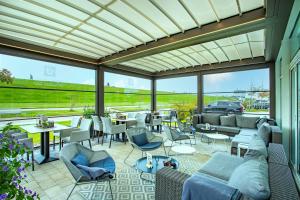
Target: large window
(44, 88)
(126, 94)
(244, 92)
(177, 93)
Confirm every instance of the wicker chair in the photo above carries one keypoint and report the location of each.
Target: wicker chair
(110, 129)
(98, 127)
(81, 177)
(187, 130)
(155, 142)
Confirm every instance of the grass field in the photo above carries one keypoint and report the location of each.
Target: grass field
(21, 95)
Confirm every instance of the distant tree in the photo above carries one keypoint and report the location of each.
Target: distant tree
(31, 77)
(6, 76)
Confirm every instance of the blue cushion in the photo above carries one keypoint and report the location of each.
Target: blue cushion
(93, 171)
(107, 163)
(80, 159)
(140, 139)
(151, 145)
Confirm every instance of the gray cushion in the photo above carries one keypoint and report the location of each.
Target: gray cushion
(240, 139)
(246, 122)
(260, 121)
(248, 131)
(228, 129)
(221, 165)
(228, 121)
(258, 145)
(264, 132)
(210, 118)
(251, 179)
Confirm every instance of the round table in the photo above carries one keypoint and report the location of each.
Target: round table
(183, 149)
(205, 132)
(157, 162)
(216, 136)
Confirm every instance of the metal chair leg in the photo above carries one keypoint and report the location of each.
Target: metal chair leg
(164, 149)
(60, 143)
(125, 160)
(53, 142)
(110, 141)
(103, 138)
(90, 144)
(110, 189)
(32, 160)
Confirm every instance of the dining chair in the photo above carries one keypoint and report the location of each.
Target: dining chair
(82, 133)
(171, 118)
(110, 129)
(98, 127)
(187, 130)
(140, 120)
(65, 133)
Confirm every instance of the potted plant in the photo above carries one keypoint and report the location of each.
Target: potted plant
(12, 167)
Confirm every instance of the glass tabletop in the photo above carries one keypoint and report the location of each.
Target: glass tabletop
(157, 164)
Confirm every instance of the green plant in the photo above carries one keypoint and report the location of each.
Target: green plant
(88, 112)
(12, 167)
(6, 76)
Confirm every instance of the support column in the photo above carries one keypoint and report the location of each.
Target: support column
(272, 80)
(200, 93)
(99, 91)
(153, 94)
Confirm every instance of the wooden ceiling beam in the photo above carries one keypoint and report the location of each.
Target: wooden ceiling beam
(250, 21)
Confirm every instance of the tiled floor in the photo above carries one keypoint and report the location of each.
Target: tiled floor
(53, 180)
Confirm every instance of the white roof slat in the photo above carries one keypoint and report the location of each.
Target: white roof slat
(258, 48)
(37, 10)
(257, 36)
(88, 6)
(138, 66)
(199, 57)
(210, 45)
(124, 25)
(225, 8)
(191, 60)
(224, 42)
(133, 16)
(238, 39)
(198, 47)
(244, 50)
(247, 5)
(154, 64)
(219, 54)
(159, 62)
(231, 52)
(201, 10)
(209, 56)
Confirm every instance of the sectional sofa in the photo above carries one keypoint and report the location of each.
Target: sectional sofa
(239, 127)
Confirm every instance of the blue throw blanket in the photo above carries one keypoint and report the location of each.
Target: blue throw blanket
(94, 172)
(201, 187)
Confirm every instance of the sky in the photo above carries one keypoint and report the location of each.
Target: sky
(40, 70)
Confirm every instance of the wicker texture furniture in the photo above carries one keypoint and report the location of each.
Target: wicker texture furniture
(111, 129)
(169, 183)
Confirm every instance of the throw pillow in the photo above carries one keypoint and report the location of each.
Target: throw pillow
(94, 172)
(257, 146)
(228, 120)
(264, 132)
(140, 139)
(251, 179)
(80, 159)
(211, 118)
(260, 122)
(246, 122)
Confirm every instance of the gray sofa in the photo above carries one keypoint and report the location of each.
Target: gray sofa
(221, 167)
(241, 128)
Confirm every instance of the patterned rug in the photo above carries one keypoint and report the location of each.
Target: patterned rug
(129, 185)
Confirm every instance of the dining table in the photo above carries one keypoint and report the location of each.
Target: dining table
(45, 154)
(129, 122)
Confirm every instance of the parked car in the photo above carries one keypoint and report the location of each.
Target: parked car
(225, 107)
(261, 104)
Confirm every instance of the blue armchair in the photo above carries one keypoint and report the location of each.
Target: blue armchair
(95, 159)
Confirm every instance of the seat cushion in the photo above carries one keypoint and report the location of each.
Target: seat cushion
(240, 139)
(140, 139)
(221, 165)
(80, 159)
(183, 137)
(107, 163)
(151, 145)
(246, 121)
(211, 118)
(251, 179)
(248, 131)
(257, 146)
(228, 129)
(264, 132)
(228, 121)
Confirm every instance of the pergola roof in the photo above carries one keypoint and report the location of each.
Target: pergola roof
(146, 35)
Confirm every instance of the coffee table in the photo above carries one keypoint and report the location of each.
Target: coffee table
(205, 132)
(157, 165)
(217, 136)
(183, 149)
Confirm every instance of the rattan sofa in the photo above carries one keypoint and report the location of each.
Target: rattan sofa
(169, 182)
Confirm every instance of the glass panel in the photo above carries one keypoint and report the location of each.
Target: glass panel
(298, 116)
(244, 92)
(177, 93)
(126, 94)
(294, 118)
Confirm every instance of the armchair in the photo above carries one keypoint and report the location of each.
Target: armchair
(173, 135)
(153, 142)
(81, 134)
(171, 118)
(110, 129)
(100, 159)
(140, 120)
(187, 130)
(65, 133)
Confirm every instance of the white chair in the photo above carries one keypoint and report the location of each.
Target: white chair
(154, 122)
(65, 133)
(98, 127)
(110, 129)
(140, 120)
(81, 134)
